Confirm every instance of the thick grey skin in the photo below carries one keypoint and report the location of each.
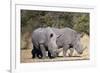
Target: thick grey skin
(68, 39)
(44, 39)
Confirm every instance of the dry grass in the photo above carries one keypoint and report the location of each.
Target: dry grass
(26, 56)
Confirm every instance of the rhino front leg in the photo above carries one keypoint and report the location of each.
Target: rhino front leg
(71, 52)
(65, 48)
(43, 50)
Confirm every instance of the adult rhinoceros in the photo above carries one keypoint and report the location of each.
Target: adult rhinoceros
(68, 39)
(44, 39)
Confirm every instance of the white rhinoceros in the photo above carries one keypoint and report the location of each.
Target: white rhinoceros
(44, 39)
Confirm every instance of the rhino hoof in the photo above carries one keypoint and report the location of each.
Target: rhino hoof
(39, 56)
(33, 56)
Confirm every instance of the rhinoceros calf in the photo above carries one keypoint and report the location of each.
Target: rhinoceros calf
(68, 39)
(44, 39)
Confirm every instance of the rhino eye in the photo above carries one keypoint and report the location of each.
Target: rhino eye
(51, 35)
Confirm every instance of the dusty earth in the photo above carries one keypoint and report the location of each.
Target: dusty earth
(26, 56)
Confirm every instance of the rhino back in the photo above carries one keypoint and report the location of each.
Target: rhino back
(67, 35)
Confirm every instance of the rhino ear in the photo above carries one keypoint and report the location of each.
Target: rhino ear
(51, 35)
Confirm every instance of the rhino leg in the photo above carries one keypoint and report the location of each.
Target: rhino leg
(33, 53)
(71, 52)
(36, 53)
(43, 50)
(39, 54)
(65, 48)
(50, 55)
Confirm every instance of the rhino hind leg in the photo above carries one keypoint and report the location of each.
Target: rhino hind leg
(36, 53)
(39, 54)
(33, 53)
(71, 50)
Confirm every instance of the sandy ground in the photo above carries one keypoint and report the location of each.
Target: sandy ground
(26, 56)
